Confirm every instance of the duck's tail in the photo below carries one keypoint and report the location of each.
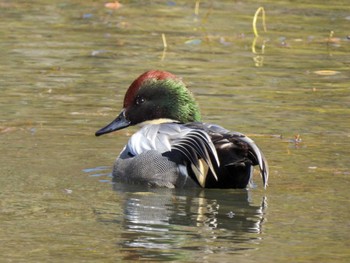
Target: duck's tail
(258, 158)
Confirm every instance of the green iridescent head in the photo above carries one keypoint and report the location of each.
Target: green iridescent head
(153, 96)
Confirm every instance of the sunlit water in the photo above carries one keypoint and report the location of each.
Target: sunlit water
(65, 66)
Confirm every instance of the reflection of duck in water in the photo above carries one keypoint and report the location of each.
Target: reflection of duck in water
(174, 149)
(166, 223)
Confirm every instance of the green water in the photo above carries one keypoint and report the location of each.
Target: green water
(65, 66)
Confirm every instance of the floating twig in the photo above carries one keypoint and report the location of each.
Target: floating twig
(258, 59)
(262, 10)
(165, 45)
(164, 41)
(196, 7)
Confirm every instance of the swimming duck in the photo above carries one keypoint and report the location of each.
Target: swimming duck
(173, 148)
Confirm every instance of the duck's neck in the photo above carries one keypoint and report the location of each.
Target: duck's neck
(157, 121)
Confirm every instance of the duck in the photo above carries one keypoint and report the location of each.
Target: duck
(173, 148)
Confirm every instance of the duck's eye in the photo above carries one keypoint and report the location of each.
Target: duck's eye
(139, 100)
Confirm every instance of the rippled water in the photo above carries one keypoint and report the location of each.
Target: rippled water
(65, 66)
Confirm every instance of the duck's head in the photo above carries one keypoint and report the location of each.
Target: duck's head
(155, 96)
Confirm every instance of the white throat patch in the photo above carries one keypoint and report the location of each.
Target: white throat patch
(157, 121)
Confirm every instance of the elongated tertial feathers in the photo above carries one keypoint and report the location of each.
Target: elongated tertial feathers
(198, 145)
(235, 148)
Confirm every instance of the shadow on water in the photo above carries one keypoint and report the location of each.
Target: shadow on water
(168, 224)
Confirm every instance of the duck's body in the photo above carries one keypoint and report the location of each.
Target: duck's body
(174, 149)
